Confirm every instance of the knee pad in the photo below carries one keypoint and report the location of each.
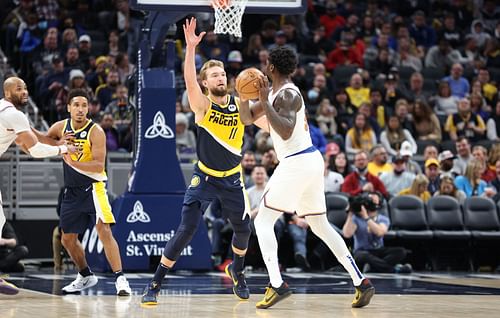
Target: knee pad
(241, 233)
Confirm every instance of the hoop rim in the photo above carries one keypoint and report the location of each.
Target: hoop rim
(135, 4)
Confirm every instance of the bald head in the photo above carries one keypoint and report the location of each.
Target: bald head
(15, 91)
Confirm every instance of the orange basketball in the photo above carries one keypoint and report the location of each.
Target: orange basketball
(247, 83)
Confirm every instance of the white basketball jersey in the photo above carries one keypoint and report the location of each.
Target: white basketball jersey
(12, 122)
(300, 139)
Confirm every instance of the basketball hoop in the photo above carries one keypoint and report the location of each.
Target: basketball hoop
(228, 14)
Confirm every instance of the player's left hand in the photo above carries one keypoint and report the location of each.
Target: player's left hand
(263, 88)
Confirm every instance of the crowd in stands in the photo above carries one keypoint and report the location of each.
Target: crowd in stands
(402, 96)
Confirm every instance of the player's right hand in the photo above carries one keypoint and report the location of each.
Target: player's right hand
(72, 149)
(190, 32)
(263, 88)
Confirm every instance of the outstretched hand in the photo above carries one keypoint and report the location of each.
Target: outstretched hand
(190, 33)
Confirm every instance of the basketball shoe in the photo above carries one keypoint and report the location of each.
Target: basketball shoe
(274, 295)
(7, 288)
(80, 283)
(364, 292)
(150, 295)
(240, 288)
(122, 286)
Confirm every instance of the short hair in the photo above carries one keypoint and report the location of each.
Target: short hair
(208, 64)
(77, 92)
(462, 138)
(284, 59)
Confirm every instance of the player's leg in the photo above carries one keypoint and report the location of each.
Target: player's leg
(104, 217)
(5, 287)
(72, 222)
(233, 207)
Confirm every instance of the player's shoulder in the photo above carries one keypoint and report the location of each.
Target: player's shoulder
(13, 115)
(95, 128)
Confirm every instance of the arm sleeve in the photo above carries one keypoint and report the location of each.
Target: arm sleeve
(491, 129)
(385, 142)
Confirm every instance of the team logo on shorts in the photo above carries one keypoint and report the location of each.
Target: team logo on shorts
(195, 181)
(83, 134)
(231, 107)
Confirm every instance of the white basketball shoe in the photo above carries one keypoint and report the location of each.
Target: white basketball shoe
(80, 283)
(122, 286)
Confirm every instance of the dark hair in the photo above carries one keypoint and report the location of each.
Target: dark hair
(77, 92)
(284, 59)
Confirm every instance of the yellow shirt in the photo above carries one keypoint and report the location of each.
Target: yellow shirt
(376, 170)
(425, 196)
(358, 96)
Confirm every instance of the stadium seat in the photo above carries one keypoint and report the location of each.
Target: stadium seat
(445, 218)
(342, 74)
(408, 218)
(449, 145)
(421, 144)
(481, 218)
(432, 73)
(405, 73)
(336, 208)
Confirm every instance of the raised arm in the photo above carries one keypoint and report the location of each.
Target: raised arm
(198, 102)
(282, 115)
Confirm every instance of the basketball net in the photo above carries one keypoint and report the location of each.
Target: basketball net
(228, 14)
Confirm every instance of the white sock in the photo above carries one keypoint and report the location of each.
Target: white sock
(320, 226)
(264, 226)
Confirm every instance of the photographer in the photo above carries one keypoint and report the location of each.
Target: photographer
(368, 228)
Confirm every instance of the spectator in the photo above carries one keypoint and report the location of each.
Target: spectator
(447, 187)
(344, 54)
(394, 135)
(270, 161)
(331, 20)
(360, 180)
(406, 57)
(416, 90)
(405, 119)
(446, 162)
(339, 163)
(95, 112)
(426, 123)
(248, 163)
(122, 111)
(450, 32)
(333, 180)
(464, 156)
(430, 151)
(379, 57)
(465, 123)
(325, 117)
(377, 108)
(398, 179)
(72, 58)
(185, 140)
(488, 88)
(496, 182)
(317, 137)
(356, 92)
(459, 85)
(407, 151)
(124, 67)
(424, 36)
(366, 109)
(253, 48)
(493, 125)
(471, 184)
(85, 51)
(98, 76)
(317, 93)
(11, 252)
(478, 32)
(433, 175)
(378, 162)
(418, 188)
(393, 92)
(212, 48)
(234, 63)
(480, 154)
(368, 228)
(441, 56)
(255, 192)
(112, 137)
(444, 102)
(345, 110)
(106, 93)
(361, 136)
(69, 39)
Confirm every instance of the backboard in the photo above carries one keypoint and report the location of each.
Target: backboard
(193, 6)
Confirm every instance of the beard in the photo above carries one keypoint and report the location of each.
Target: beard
(219, 91)
(18, 101)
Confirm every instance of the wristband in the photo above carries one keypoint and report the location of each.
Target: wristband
(63, 149)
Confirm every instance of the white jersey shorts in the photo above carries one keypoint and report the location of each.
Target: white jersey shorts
(297, 185)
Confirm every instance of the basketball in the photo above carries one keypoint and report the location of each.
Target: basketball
(247, 83)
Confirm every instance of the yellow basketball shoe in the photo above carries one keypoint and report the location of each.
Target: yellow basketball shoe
(364, 293)
(274, 295)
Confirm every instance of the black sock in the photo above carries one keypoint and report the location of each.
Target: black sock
(238, 262)
(118, 274)
(160, 273)
(86, 272)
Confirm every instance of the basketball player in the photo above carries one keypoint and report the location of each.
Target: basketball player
(85, 196)
(217, 174)
(297, 183)
(14, 126)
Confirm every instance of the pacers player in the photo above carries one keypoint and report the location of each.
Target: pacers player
(217, 174)
(297, 183)
(14, 126)
(85, 196)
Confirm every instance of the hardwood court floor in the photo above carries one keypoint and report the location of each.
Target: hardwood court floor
(209, 295)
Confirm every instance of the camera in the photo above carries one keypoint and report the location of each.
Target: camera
(365, 200)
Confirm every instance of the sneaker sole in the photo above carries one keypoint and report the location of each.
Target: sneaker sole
(79, 290)
(274, 302)
(149, 304)
(123, 293)
(226, 270)
(365, 298)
